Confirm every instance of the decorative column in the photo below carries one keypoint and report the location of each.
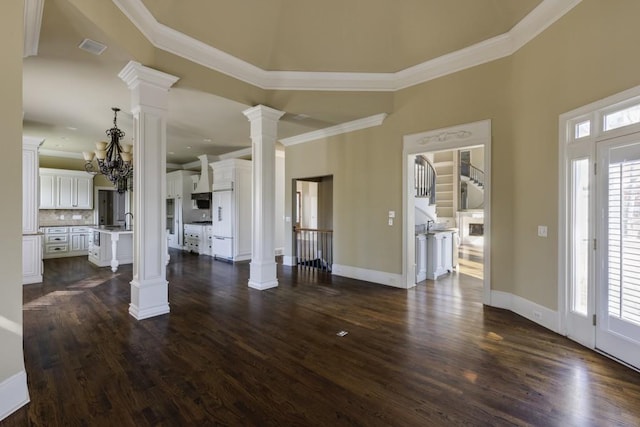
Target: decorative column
(149, 97)
(264, 131)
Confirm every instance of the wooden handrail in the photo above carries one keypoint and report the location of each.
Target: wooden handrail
(320, 230)
(425, 179)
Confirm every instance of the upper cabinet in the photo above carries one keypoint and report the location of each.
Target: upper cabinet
(180, 184)
(65, 189)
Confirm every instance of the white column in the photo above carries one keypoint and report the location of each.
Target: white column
(264, 131)
(149, 97)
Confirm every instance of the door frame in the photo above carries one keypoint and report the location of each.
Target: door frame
(595, 113)
(450, 138)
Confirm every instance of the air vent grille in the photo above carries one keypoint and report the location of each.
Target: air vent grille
(92, 46)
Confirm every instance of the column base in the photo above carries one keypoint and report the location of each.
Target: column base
(149, 299)
(262, 275)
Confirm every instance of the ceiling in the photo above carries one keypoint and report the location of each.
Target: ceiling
(68, 92)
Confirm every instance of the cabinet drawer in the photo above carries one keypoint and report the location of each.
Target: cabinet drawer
(60, 239)
(55, 230)
(56, 249)
(80, 230)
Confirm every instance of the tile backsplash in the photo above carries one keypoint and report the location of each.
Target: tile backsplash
(54, 217)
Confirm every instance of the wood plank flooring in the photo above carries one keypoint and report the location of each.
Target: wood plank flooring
(230, 355)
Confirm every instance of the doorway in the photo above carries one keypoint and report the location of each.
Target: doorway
(313, 229)
(599, 245)
(453, 139)
(112, 206)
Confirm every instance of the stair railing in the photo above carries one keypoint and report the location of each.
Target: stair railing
(314, 248)
(473, 173)
(425, 179)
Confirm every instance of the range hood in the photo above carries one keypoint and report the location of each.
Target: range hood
(202, 193)
(206, 178)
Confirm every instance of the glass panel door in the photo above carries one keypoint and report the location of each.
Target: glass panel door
(618, 329)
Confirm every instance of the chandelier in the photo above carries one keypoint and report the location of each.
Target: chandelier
(114, 159)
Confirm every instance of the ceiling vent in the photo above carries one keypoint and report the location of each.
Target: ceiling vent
(92, 46)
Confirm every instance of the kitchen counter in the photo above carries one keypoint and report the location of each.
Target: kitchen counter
(113, 247)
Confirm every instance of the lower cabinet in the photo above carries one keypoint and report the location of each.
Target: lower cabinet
(32, 268)
(65, 241)
(198, 238)
(194, 238)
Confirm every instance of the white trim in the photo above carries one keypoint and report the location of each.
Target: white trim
(14, 394)
(243, 152)
(537, 313)
(169, 40)
(364, 123)
(451, 138)
(380, 277)
(64, 154)
(594, 112)
(32, 24)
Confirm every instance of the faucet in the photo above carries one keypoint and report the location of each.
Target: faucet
(430, 222)
(128, 227)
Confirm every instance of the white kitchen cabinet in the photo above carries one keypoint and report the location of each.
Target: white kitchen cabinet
(66, 241)
(194, 238)
(65, 189)
(47, 191)
(32, 266)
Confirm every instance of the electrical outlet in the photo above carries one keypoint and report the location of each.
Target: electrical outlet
(390, 221)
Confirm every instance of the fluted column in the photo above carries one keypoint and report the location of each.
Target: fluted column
(149, 97)
(264, 132)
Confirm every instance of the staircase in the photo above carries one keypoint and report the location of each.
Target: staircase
(443, 162)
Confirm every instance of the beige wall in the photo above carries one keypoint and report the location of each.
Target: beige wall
(585, 56)
(72, 164)
(589, 54)
(367, 165)
(11, 358)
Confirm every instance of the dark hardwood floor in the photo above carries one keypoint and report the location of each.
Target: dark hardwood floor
(230, 355)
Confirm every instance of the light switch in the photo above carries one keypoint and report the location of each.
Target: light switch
(390, 221)
(392, 214)
(542, 231)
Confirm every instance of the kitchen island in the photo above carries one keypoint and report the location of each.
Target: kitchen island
(111, 246)
(436, 253)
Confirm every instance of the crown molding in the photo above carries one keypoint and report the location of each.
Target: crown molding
(167, 39)
(134, 73)
(63, 154)
(237, 154)
(32, 23)
(354, 125)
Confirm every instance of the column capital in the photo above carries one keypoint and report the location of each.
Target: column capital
(134, 73)
(262, 111)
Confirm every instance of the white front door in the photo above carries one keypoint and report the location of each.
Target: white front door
(617, 278)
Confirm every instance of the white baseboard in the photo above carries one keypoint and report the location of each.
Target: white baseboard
(279, 251)
(14, 394)
(381, 277)
(537, 313)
